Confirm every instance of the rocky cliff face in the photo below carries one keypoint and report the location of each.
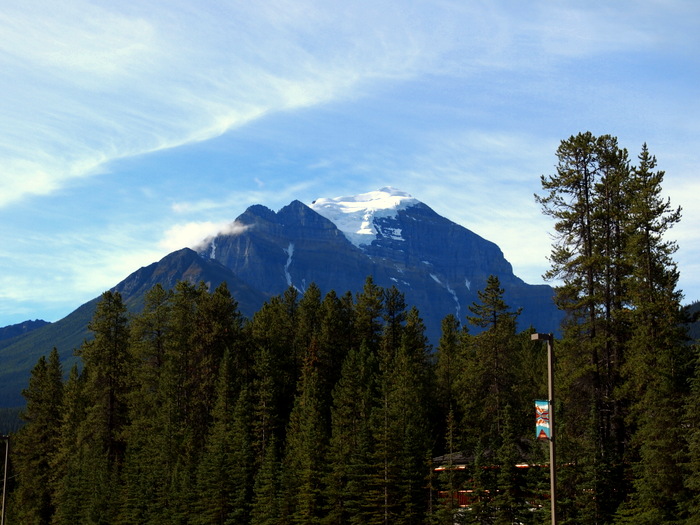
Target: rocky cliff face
(437, 264)
(336, 243)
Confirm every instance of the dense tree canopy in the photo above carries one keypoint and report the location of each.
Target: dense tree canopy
(334, 409)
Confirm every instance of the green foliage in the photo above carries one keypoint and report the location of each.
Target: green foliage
(36, 444)
(334, 410)
(623, 363)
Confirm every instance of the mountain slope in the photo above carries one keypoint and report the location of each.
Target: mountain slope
(336, 243)
(19, 354)
(8, 332)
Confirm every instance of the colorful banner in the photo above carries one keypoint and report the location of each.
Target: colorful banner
(542, 420)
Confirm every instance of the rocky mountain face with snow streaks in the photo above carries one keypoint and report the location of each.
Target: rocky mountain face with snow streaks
(398, 240)
(336, 244)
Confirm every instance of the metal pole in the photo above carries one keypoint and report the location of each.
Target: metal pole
(552, 437)
(4, 483)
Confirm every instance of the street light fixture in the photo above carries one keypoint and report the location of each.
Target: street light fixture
(552, 449)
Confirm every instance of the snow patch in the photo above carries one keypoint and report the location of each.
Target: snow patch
(450, 291)
(356, 216)
(391, 233)
(458, 308)
(289, 250)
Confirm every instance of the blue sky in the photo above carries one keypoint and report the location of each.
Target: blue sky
(131, 129)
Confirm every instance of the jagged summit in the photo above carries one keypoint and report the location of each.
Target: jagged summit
(437, 264)
(358, 216)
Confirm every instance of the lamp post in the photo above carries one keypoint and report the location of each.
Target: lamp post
(552, 436)
(4, 482)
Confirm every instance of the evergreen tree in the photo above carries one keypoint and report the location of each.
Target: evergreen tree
(146, 460)
(691, 421)
(305, 448)
(509, 499)
(400, 424)
(108, 366)
(657, 357)
(589, 197)
(368, 314)
(413, 388)
(37, 443)
(486, 385)
(275, 367)
(216, 330)
(69, 479)
(224, 475)
(448, 366)
(335, 338)
(100, 436)
(267, 501)
(349, 453)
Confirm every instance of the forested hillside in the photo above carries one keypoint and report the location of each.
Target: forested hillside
(335, 410)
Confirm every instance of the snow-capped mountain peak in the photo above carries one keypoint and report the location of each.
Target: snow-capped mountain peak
(356, 215)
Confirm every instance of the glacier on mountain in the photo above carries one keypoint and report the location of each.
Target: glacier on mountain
(359, 217)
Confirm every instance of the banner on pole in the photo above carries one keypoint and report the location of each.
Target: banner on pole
(542, 429)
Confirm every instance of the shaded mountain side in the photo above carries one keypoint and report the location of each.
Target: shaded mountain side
(437, 264)
(186, 265)
(14, 330)
(692, 312)
(19, 354)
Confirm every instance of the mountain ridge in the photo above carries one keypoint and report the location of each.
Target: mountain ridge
(437, 264)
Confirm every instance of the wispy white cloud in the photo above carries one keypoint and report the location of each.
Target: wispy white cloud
(460, 103)
(195, 234)
(86, 83)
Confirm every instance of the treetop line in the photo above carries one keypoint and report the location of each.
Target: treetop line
(335, 410)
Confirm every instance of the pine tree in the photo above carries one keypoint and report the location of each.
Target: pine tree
(275, 367)
(509, 499)
(224, 476)
(183, 427)
(335, 338)
(349, 452)
(69, 480)
(146, 459)
(267, 500)
(368, 314)
(413, 388)
(657, 357)
(101, 435)
(305, 448)
(108, 365)
(486, 385)
(691, 421)
(448, 366)
(589, 197)
(36, 445)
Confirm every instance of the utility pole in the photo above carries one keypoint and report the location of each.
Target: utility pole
(552, 437)
(4, 482)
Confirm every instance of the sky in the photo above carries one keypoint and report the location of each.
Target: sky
(132, 129)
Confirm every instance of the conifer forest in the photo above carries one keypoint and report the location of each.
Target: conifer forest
(334, 409)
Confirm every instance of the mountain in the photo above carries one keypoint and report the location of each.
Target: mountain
(19, 354)
(8, 332)
(335, 243)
